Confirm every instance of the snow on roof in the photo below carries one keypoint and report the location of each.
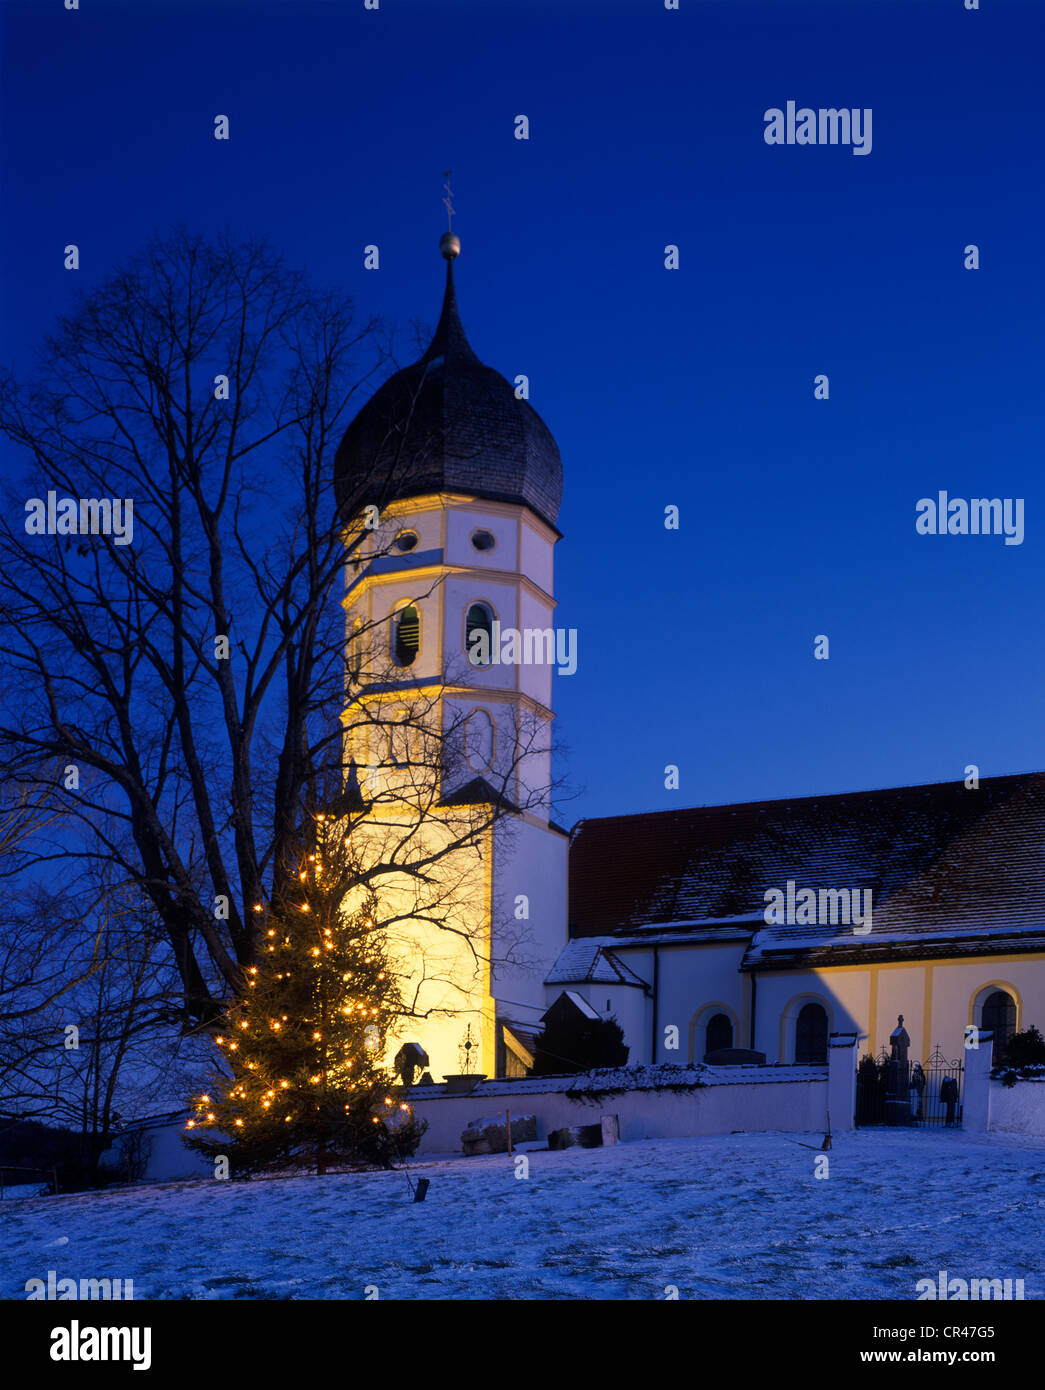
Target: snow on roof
(588, 962)
(947, 867)
(643, 1076)
(582, 1004)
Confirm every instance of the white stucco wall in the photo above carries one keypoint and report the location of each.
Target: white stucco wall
(779, 998)
(957, 988)
(730, 1100)
(791, 1099)
(529, 861)
(462, 521)
(1018, 1109)
(937, 999)
(693, 983)
(536, 552)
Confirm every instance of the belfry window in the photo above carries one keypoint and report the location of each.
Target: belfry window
(478, 634)
(406, 635)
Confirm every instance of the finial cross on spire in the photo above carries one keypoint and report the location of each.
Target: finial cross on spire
(448, 200)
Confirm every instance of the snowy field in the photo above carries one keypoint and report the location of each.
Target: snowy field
(732, 1216)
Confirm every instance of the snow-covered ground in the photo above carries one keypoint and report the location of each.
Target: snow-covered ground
(728, 1216)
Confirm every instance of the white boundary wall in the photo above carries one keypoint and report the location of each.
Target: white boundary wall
(727, 1100)
(730, 1099)
(1018, 1109)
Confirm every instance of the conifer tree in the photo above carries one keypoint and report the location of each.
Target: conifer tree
(302, 1078)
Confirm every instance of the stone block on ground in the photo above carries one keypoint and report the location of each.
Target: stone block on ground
(584, 1136)
(490, 1136)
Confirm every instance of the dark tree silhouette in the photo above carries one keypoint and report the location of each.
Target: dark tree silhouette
(178, 705)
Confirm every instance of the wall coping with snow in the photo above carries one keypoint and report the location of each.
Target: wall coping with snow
(662, 1076)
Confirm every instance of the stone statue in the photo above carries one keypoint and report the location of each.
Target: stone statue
(898, 1081)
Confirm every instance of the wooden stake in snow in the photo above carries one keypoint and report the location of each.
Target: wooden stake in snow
(508, 1126)
(827, 1137)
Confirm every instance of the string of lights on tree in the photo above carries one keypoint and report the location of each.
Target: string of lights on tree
(301, 1075)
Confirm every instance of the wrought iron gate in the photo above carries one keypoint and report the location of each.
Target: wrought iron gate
(923, 1095)
(942, 1096)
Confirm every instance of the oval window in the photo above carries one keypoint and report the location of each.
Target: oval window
(483, 540)
(406, 540)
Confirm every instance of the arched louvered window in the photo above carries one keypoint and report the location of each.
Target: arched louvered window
(478, 634)
(406, 635)
(719, 1033)
(999, 1015)
(811, 1036)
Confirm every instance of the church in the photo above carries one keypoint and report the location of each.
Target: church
(673, 922)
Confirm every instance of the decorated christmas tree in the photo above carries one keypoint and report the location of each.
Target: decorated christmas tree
(301, 1078)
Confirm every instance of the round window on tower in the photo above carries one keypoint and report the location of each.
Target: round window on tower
(406, 540)
(483, 540)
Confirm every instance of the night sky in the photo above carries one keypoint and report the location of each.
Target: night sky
(691, 387)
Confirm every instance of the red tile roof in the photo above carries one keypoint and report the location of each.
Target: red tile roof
(941, 861)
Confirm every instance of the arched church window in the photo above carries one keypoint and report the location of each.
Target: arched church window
(478, 634)
(406, 635)
(811, 1036)
(999, 1015)
(718, 1034)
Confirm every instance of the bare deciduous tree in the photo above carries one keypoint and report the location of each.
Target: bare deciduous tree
(177, 701)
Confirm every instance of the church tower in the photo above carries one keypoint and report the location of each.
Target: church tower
(450, 486)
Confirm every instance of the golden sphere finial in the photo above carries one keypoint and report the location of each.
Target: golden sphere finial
(450, 245)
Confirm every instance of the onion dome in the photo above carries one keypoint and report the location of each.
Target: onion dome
(448, 424)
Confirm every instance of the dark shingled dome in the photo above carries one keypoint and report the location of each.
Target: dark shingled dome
(447, 423)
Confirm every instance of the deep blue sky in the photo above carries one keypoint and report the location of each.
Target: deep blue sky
(692, 387)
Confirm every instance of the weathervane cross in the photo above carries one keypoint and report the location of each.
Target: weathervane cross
(447, 201)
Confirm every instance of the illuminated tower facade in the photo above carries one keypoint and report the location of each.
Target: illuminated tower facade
(451, 483)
